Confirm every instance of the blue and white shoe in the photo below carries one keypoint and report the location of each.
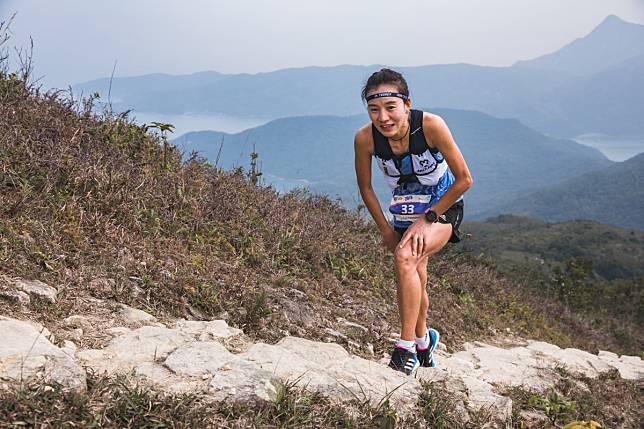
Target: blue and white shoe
(405, 361)
(426, 356)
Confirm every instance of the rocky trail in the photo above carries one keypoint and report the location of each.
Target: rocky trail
(221, 363)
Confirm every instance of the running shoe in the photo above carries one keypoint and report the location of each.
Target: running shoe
(404, 360)
(426, 356)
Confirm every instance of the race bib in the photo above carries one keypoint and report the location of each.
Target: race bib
(408, 208)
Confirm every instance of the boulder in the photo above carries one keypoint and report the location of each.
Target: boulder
(629, 367)
(243, 381)
(186, 358)
(197, 359)
(574, 360)
(77, 321)
(16, 296)
(481, 396)
(135, 316)
(515, 366)
(125, 352)
(37, 289)
(206, 330)
(26, 354)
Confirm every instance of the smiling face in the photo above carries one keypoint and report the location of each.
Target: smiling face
(389, 114)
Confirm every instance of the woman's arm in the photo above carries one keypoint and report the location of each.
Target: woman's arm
(363, 147)
(363, 154)
(440, 137)
(436, 130)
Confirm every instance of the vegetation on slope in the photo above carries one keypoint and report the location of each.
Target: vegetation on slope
(595, 270)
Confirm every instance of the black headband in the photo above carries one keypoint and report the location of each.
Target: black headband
(387, 94)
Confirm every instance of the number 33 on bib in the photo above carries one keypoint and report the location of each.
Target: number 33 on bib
(408, 208)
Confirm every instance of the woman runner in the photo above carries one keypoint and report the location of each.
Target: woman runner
(428, 176)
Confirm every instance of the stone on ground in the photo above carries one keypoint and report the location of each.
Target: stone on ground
(135, 316)
(328, 369)
(35, 289)
(214, 359)
(26, 354)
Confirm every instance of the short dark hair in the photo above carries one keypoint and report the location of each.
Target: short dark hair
(384, 76)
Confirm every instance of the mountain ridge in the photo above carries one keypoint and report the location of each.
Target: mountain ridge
(592, 195)
(504, 155)
(553, 100)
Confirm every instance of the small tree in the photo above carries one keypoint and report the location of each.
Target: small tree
(254, 172)
(163, 129)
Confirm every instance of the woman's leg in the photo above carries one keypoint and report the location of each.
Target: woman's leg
(421, 323)
(408, 281)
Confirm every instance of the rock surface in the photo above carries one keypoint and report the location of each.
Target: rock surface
(217, 361)
(136, 316)
(37, 289)
(15, 296)
(328, 369)
(191, 356)
(27, 353)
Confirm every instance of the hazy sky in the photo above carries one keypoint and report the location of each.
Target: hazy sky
(79, 40)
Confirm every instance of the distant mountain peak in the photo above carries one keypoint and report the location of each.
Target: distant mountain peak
(607, 45)
(613, 23)
(612, 19)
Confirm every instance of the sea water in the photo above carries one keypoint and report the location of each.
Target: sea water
(186, 122)
(614, 148)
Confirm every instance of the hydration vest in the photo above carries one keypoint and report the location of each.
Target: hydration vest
(420, 163)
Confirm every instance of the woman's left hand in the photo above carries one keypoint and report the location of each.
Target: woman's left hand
(418, 234)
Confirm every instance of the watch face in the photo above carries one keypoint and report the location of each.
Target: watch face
(431, 216)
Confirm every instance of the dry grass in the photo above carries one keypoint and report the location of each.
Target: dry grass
(607, 399)
(125, 403)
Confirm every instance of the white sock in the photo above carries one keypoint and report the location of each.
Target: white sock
(423, 342)
(407, 345)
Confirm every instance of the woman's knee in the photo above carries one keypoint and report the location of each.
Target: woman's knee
(403, 258)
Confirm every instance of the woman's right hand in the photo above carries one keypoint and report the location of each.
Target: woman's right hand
(390, 239)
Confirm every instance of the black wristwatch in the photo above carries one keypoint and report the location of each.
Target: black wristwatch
(431, 216)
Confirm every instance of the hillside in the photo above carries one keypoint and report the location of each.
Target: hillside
(98, 208)
(544, 93)
(584, 264)
(616, 253)
(607, 101)
(505, 157)
(612, 195)
(114, 247)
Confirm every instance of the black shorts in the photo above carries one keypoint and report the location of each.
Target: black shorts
(453, 216)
